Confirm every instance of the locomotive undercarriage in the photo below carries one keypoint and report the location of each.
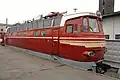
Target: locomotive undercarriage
(102, 67)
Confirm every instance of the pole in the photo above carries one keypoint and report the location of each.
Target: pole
(6, 22)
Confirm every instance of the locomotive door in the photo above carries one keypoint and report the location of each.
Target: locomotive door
(55, 42)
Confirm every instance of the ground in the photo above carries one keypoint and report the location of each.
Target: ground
(16, 65)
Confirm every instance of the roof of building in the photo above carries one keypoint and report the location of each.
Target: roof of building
(111, 15)
(2, 24)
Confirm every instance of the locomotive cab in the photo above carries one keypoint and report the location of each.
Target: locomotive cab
(86, 24)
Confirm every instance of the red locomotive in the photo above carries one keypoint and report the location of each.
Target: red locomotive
(77, 36)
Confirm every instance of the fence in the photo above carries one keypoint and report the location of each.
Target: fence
(113, 52)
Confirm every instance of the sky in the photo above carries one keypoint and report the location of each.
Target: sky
(21, 10)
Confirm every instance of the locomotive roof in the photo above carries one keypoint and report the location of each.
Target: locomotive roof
(70, 16)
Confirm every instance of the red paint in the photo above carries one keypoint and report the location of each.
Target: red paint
(53, 46)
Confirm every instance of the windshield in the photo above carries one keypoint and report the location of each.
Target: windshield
(93, 25)
(90, 24)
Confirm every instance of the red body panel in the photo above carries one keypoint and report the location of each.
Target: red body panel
(49, 46)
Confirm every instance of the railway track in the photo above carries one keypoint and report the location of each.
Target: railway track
(114, 70)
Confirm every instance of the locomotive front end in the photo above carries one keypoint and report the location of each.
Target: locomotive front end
(95, 45)
(84, 37)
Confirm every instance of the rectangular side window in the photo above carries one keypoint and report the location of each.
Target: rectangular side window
(69, 28)
(36, 33)
(117, 36)
(47, 22)
(35, 24)
(58, 21)
(40, 23)
(30, 25)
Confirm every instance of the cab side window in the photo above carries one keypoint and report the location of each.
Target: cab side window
(69, 28)
(36, 33)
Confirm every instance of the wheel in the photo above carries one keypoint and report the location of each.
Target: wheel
(100, 70)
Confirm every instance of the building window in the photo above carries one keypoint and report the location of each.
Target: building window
(69, 28)
(106, 36)
(103, 11)
(117, 36)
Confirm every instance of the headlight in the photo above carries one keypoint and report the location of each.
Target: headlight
(91, 53)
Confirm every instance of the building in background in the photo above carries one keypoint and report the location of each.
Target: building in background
(111, 26)
(106, 6)
(2, 27)
(110, 19)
